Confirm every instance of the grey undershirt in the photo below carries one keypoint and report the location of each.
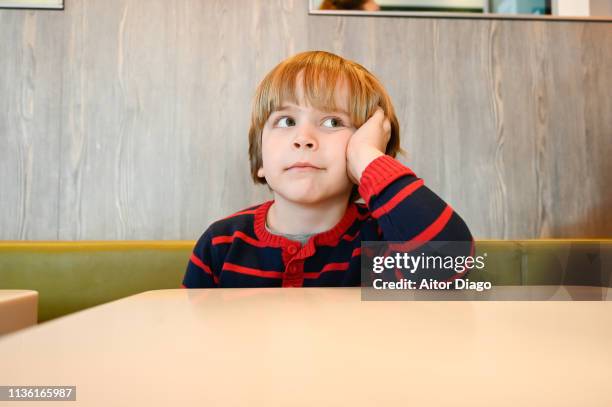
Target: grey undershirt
(302, 238)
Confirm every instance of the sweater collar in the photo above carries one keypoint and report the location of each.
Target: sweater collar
(327, 238)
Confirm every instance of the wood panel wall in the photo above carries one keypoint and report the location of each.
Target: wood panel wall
(128, 119)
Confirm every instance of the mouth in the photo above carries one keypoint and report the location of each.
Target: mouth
(303, 166)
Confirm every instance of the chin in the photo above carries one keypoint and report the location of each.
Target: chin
(305, 197)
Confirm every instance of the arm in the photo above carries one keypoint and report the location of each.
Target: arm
(199, 269)
(405, 208)
(407, 211)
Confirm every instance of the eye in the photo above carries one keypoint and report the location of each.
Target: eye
(285, 121)
(332, 122)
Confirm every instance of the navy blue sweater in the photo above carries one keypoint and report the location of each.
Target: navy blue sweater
(239, 251)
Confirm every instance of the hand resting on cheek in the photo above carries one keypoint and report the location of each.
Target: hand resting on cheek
(366, 144)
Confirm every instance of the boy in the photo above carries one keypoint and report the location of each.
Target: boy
(323, 132)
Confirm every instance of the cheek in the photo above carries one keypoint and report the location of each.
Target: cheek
(339, 144)
(270, 152)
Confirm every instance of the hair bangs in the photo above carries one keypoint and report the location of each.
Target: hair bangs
(307, 83)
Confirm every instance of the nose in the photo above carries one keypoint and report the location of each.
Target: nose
(305, 138)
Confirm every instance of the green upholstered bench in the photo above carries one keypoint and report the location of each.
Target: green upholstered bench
(71, 276)
(546, 262)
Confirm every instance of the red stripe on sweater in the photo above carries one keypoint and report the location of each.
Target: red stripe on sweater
(350, 238)
(356, 252)
(436, 227)
(238, 234)
(328, 267)
(399, 197)
(195, 260)
(251, 271)
(426, 235)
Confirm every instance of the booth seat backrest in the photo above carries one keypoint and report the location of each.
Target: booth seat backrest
(546, 262)
(71, 276)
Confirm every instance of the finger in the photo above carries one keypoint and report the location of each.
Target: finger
(387, 128)
(350, 175)
(379, 114)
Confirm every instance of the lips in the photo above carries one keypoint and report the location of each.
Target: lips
(304, 166)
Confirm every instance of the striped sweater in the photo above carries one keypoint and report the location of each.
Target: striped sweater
(238, 251)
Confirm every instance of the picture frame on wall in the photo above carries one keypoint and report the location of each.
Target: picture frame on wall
(36, 4)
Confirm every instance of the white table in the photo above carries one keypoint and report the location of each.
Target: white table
(18, 309)
(318, 347)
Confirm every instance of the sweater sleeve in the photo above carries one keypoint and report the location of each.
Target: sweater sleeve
(199, 272)
(405, 209)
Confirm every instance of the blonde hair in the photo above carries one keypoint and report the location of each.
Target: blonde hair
(320, 72)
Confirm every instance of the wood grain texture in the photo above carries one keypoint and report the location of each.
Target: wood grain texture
(130, 120)
(30, 104)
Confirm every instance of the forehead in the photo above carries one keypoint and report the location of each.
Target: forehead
(323, 96)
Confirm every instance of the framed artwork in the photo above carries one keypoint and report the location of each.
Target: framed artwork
(43, 4)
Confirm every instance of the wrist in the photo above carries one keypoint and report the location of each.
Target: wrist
(379, 174)
(360, 160)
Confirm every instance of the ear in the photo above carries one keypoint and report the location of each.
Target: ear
(260, 173)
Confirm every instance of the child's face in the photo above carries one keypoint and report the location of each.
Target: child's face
(304, 151)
